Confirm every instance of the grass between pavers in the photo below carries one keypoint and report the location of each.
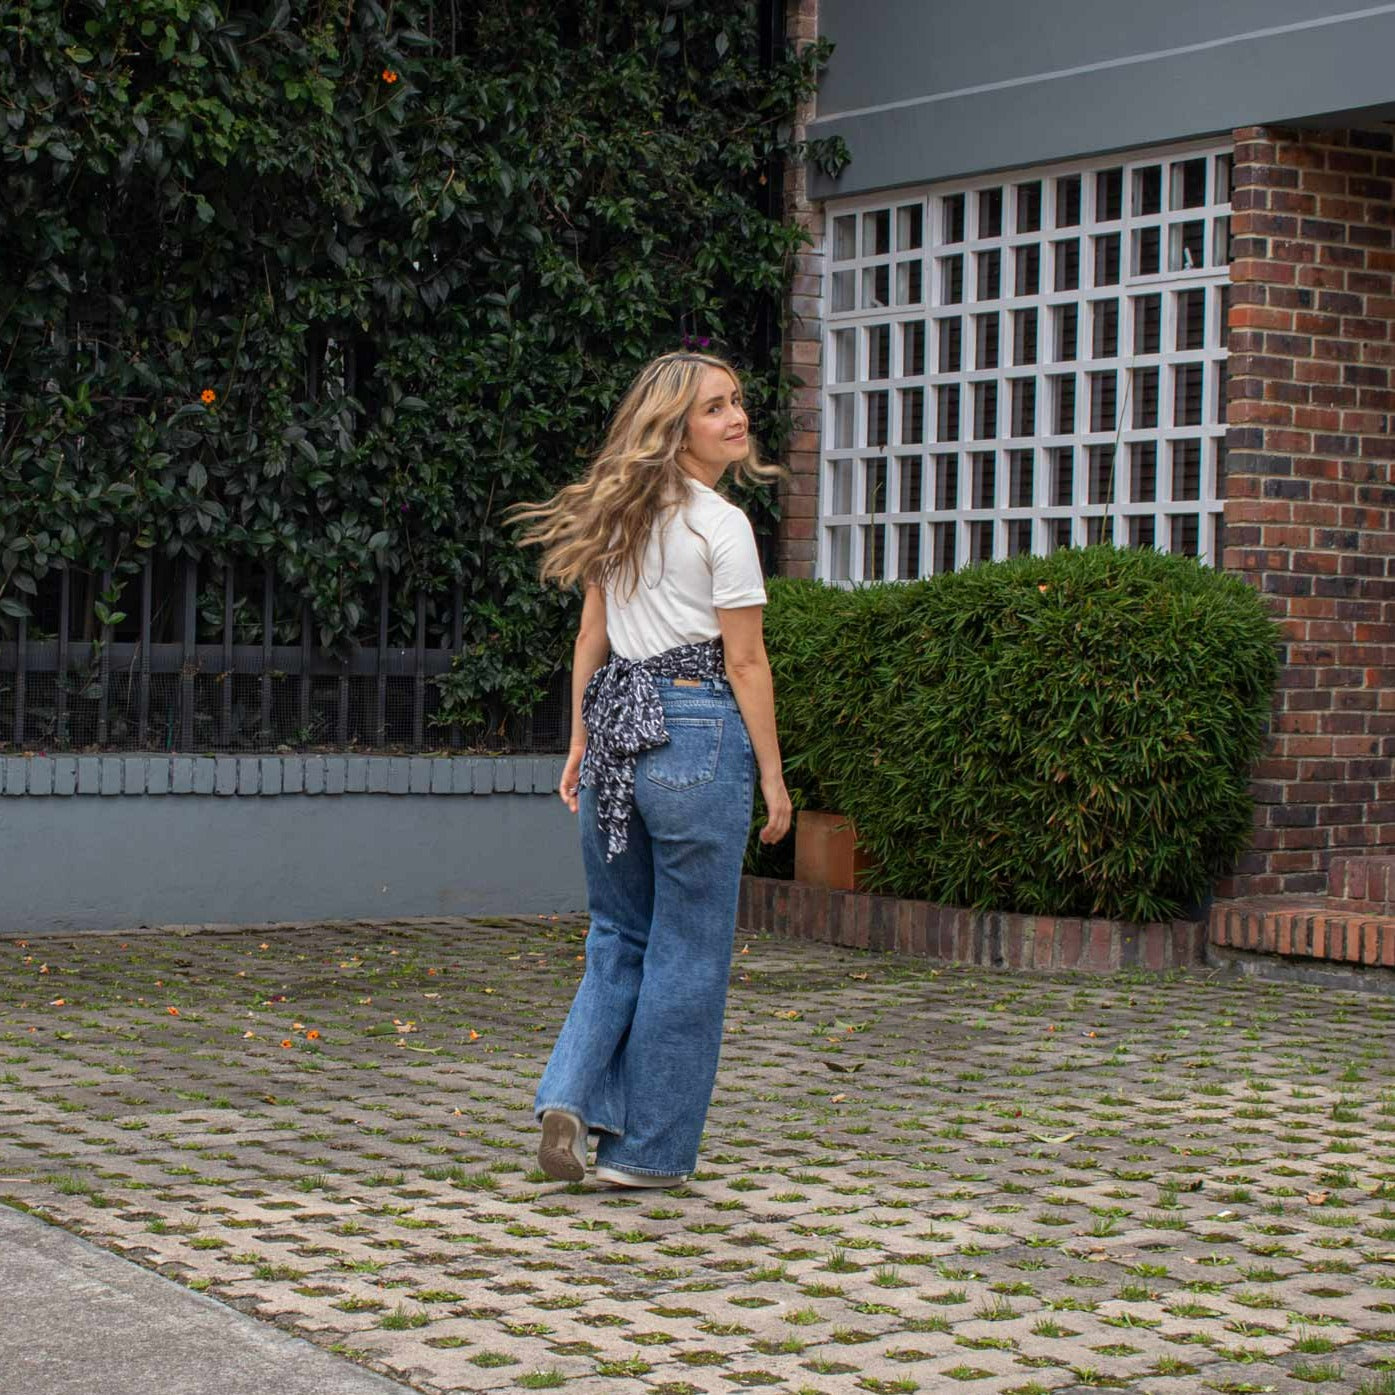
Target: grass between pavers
(914, 1178)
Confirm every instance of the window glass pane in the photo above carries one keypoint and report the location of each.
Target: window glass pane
(912, 415)
(909, 286)
(1029, 207)
(877, 412)
(913, 348)
(840, 500)
(946, 492)
(952, 222)
(1024, 407)
(843, 409)
(984, 466)
(1187, 401)
(1107, 260)
(1109, 195)
(990, 213)
(844, 238)
(1143, 472)
(910, 491)
(1068, 201)
(1186, 469)
(986, 340)
(1147, 190)
(1145, 397)
(908, 551)
(1021, 473)
(942, 540)
(1062, 476)
(876, 287)
(985, 411)
(842, 288)
(1191, 320)
(840, 553)
(909, 231)
(1101, 480)
(874, 485)
(951, 345)
(879, 351)
(876, 233)
(1024, 336)
(1189, 183)
(951, 287)
(1104, 329)
(844, 355)
(947, 412)
(989, 266)
(1026, 269)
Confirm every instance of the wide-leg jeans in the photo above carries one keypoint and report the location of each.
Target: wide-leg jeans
(637, 1057)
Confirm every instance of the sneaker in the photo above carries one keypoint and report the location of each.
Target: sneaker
(562, 1152)
(618, 1177)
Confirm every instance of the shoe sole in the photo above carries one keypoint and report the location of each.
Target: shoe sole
(557, 1153)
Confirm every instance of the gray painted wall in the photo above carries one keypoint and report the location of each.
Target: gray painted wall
(119, 842)
(924, 91)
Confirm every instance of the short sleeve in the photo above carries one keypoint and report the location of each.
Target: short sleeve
(736, 574)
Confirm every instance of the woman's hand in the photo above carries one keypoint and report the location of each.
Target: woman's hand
(568, 786)
(777, 807)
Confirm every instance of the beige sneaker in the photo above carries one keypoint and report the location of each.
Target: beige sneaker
(562, 1152)
(618, 1177)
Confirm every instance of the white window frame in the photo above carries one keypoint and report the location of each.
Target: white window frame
(860, 459)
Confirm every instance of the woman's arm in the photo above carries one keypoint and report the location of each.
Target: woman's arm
(592, 649)
(748, 672)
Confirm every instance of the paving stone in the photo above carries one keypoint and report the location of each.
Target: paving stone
(914, 1178)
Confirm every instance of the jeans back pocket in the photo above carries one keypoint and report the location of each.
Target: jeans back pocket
(690, 757)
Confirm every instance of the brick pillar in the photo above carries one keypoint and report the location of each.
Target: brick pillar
(1309, 497)
(802, 346)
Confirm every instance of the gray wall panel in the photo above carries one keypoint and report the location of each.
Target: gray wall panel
(73, 864)
(1039, 117)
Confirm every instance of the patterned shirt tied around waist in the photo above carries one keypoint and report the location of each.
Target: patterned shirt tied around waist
(624, 716)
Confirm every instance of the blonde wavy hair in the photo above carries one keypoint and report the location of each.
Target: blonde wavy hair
(594, 532)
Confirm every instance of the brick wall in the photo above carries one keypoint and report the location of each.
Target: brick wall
(803, 341)
(1309, 497)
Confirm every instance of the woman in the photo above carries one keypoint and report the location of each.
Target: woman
(672, 708)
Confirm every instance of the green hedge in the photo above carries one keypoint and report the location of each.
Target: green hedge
(1066, 735)
(325, 287)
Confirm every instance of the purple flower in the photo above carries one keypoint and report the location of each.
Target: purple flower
(703, 342)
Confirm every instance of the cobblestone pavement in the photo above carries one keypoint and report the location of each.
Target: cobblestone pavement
(913, 1178)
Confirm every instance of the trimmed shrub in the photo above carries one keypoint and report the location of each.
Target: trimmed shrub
(1066, 735)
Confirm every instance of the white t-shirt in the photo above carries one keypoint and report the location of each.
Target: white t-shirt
(701, 558)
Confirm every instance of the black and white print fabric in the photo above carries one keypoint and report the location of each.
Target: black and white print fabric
(623, 716)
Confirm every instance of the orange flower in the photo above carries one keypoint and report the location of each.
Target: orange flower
(389, 76)
(474, 1035)
(288, 1043)
(208, 397)
(173, 1011)
(312, 1035)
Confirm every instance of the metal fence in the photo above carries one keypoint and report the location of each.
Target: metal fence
(233, 667)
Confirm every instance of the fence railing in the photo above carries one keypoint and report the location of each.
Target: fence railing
(192, 670)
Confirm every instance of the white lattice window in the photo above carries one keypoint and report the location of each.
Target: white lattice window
(1026, 362)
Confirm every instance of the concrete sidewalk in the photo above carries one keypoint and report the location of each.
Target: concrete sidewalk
(75, 1320)
(915, 1178)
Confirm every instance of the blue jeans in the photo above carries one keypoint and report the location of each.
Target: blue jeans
(637, 1056)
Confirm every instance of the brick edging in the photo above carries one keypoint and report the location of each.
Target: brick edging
(991, 939)
(273, 775)
(1319, 929)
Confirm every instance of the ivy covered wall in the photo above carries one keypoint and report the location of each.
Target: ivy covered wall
(324, 286)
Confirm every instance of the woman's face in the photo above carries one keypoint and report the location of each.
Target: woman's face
(715, 427)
